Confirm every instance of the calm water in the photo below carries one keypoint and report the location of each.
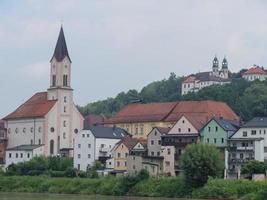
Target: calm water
(26, 196)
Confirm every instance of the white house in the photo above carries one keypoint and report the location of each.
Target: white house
(255, 73)
(195, 82)
(248, 143)
(48, 118)
(23, 153)
(96, 143)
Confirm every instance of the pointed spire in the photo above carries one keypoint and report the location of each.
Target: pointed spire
(224, 63)
(61, 50)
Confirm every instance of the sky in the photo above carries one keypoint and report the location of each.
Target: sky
(117, 45)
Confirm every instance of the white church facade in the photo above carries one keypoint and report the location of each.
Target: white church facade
(195, 82)
(49, 118)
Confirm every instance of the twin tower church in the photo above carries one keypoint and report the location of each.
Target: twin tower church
(49, 119)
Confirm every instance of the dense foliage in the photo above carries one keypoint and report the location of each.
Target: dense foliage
(254, 167)
(199, 162)
(247, 99)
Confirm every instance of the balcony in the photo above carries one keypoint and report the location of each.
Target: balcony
(245, 148)
(240, 160)
(104, 149)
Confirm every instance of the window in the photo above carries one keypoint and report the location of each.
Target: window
(209, 128)
(183, 121)
(65, 80)
(126, 154)
(39, 141)
(216, 128)
(159, 142)
(16, 130)
(89, 155)
(65, 109)
(79, 166)
(52, 129)
(208, 140)
(158, 153)
(141, 130)
(245, 133)
(179, 151)
(125, 164)
(152, 142)
(40, 129)
(133, 166)
(76, 130)
(9, 130)
(215, 140)
(253, 132)
(17, 155)
(87, 135)
(83, 135)
(265, 149)
(179, 130)
(31, 142)
(168, 151)
(89, 146)
(31, 129)
(119, 155)
(241, 156)
(64, 135)
(65, 99)
(222, 140)
(24, 130)
(51, 147)
(64, 123)
(54, 80)
(79, 146)
(189, 130)
(167, 163)
(79, 155)
(118, 163)
(152, 153)
(9, 155)
(21, 155)
(136, 130)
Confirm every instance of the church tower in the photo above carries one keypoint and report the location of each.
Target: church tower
(61, 91)
(215, 66)
(224, 70)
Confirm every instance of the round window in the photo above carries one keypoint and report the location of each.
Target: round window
(52, 129)
(76, 130)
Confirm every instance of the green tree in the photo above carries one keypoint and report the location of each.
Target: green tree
(254, 167)
(199, 162)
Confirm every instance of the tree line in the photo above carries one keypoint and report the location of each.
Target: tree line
(247, 99)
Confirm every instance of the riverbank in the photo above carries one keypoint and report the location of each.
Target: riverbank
(151, 187)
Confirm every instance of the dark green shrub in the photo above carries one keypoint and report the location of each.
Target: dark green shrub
(57, 173)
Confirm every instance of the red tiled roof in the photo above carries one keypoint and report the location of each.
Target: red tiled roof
(94, 120)
(142, 112)
(190, 79)
(129, 142)
(200, 111)
(163, 130)
(36, 106)
(255, 70)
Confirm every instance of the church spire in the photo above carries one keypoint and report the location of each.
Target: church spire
(61, 50)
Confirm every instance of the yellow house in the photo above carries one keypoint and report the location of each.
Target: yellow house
(139, 119)
(121, 152)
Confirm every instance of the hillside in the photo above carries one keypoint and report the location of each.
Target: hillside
(247, 99)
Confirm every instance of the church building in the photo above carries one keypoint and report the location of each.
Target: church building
(195, 82)
(49, 119)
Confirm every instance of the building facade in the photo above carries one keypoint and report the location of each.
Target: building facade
(49, 118)
(95, 144)
(255, 73)
(195, 82)
(3, 142)
(22, 153)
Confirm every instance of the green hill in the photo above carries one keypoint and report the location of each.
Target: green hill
(247, 99)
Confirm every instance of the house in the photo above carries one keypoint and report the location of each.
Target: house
(255, 73)
(48, 118)
(217, 132)
(248, 143)
(95, 143)
(121, 152)
(23, 153)
(195, 82)
(139, 119)
(3, 142)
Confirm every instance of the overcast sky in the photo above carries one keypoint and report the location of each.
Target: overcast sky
(117, 45)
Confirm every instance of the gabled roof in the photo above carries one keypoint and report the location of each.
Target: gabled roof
(255, 70)
(256, 122)
(171, 112)
(108, 132)
(36, 106)
(227, 125)
(61, 50)
(129, 142)
(163, 130)
(24, 148)
(190, 79)
(139, 112)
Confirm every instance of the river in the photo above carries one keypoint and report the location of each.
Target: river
(29, 196)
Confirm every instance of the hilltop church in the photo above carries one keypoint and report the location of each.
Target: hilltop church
(195, 82)
(48, 119)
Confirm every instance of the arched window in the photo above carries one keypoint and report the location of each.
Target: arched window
(51, 147)
(65, 80)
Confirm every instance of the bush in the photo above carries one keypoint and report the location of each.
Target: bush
(57, 173)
